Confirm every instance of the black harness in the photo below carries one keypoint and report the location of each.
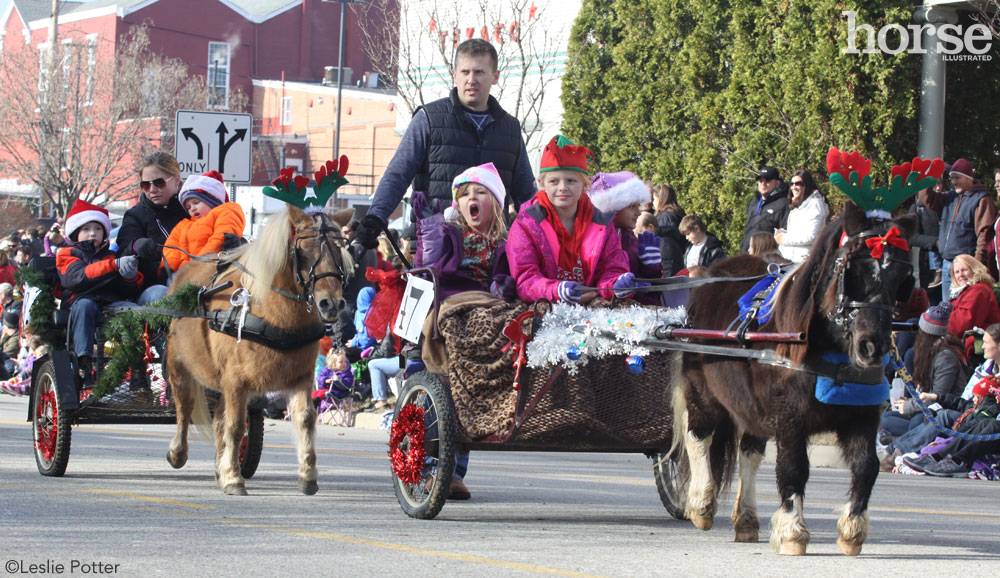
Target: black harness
(846, 309)
(238, 322)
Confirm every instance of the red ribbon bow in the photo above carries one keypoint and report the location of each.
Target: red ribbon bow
(893, 237)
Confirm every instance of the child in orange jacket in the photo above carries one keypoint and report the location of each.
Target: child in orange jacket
(213, 217)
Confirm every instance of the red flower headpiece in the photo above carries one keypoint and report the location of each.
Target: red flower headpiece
(850, 172)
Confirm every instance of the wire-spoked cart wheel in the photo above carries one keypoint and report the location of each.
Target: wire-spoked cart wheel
(422, 445)
(671, 483)
(50, 424)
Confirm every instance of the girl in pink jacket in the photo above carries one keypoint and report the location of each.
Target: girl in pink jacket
(560, 244)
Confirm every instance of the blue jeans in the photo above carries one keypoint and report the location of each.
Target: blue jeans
(922, 432)
(945, 280)
(934, 259)
(380, 371)
(152, 293)
(84, 315)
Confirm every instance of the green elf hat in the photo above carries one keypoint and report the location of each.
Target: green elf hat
(293, 189)
(850, 172)
(562, 155)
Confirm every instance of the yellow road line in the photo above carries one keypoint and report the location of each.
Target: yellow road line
(468, 558)
(551, 472)
(149, 498)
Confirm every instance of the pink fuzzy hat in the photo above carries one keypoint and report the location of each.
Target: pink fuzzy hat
(485, 175)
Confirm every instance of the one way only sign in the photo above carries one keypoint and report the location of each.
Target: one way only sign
(218, 141)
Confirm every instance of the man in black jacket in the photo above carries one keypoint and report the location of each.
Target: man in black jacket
(468, 128)
(768, 209)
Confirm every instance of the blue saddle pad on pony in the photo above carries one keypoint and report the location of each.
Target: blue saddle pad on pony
(833, 393)
(768, 283)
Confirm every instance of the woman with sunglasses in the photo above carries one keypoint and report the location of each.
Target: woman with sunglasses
(807, 216)
(146, 226)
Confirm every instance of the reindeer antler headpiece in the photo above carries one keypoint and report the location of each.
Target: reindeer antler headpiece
(849, 172)
(292, 189)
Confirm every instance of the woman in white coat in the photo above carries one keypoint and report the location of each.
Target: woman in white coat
(806, 218)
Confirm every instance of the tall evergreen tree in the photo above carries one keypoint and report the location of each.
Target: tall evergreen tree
(700, 94)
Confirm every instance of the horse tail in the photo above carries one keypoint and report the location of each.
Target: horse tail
(200, 416)
(678, 401)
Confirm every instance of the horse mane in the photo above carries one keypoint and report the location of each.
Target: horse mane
(798, 301)
(265, 257)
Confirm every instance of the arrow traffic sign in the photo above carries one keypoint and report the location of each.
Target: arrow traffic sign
(218, 141)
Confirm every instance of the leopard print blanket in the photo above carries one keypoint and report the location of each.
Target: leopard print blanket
(479, 363)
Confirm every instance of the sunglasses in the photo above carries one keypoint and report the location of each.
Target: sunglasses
(159, 183)
(799, 183)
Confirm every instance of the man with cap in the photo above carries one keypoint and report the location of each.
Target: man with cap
(468, 128)
(768, 209)
(966, 219)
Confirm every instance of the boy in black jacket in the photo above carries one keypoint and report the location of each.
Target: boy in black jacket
(91, 276)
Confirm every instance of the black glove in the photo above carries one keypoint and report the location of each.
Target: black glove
(231, 241)
(357, 252)
(147, 250)
(368, 232)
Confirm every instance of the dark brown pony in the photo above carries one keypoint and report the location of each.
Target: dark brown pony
(842, 299)
(294, 274)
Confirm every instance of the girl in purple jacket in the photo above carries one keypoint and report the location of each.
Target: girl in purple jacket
(465, 246)
(559, 245)
(623, 194)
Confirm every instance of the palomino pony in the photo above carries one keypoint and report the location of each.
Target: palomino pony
(298, 262)
(841, 298)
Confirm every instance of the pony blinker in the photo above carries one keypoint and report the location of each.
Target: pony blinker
(294, 189)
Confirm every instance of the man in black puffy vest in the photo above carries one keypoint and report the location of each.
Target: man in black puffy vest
(465, 129)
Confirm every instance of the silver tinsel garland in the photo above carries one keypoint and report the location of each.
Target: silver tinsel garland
(555, 340)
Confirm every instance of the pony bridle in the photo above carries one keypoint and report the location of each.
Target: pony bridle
(846, 310)
(325, 233)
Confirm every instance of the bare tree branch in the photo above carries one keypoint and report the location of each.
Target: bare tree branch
(414, 50)
(78, 133)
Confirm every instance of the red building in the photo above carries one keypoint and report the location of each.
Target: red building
(229, 43)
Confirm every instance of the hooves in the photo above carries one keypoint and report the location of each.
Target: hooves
(176, 459)
(308, 488)
(792, 548)
(235, 490)
(747, 536)
(851, 549)
(701, 522)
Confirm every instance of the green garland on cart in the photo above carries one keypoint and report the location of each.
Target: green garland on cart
(43, 309)
(126, 330)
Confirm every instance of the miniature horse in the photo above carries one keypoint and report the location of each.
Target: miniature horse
(298, 261)
(841, 298)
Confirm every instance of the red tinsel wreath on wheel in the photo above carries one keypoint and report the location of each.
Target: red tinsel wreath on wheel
(407, 466)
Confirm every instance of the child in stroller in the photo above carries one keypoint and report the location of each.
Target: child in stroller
(334, 393)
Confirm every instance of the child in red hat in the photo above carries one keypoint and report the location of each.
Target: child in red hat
(213, 220)
(88, 266)
(559, 244)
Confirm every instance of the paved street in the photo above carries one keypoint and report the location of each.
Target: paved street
(121, 505)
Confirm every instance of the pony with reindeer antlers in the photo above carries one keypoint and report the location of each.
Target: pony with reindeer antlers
(841, 298)
(261, 317)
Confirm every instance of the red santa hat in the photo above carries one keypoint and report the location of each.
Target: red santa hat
(562, 155)
(208, 187)
(83, 213)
